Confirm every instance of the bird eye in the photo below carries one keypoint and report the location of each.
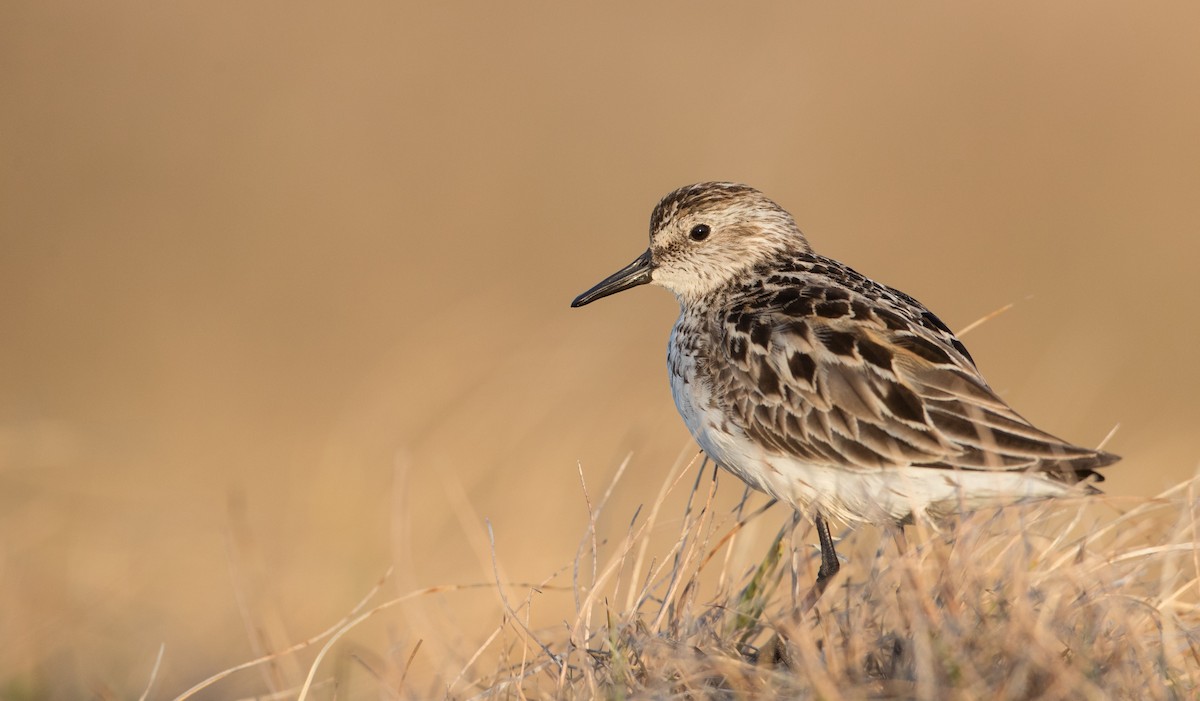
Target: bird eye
(700, 232)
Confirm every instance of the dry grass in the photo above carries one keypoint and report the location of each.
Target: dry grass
(1085, 599)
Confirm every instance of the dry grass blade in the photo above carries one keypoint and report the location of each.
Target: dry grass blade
(153, 672)
(343, 626)
(984, 319)
(298, 646)
(264, 621)
(508, 609)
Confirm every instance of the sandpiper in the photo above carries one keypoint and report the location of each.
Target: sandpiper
(829, 391)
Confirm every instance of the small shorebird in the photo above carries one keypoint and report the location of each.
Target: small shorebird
(828, 391)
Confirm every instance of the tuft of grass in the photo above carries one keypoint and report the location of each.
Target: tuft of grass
(1092, 598)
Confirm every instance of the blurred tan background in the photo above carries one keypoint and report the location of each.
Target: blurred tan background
(284, 287)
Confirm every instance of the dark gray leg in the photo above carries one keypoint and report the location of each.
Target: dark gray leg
(829, 558)
(829, 567)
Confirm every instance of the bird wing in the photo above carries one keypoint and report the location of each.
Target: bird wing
(861, 375)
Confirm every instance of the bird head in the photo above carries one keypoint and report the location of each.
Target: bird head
(702, 237)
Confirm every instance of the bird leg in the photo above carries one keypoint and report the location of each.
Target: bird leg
(775, 651)
(829, 559)
(829, 567)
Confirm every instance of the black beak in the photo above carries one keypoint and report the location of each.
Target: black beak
(632, 275)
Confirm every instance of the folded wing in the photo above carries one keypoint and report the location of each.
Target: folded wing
(868, 378)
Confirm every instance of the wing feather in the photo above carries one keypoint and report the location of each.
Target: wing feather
(860, 375)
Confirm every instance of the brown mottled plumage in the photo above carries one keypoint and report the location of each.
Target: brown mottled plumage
(823, 388)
